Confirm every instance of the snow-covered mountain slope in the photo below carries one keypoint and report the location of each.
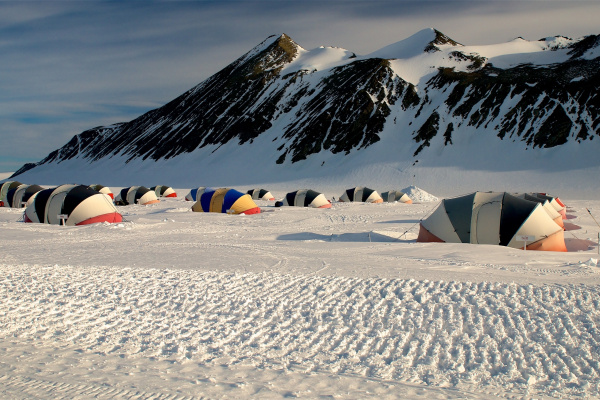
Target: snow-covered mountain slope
(426, 108)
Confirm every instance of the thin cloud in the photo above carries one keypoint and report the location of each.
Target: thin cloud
(70, 66)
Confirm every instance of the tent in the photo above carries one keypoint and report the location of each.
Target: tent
(75, 204)
(136, 195)
(396, 195)
(554, 201)
(103, 189)
(493, 218)
(194, 194)
(225, 200)
(260, 194)
(164, 191)
(5, 188)
(304, 198)
(361, 194)
(548, 206)
(20, 196)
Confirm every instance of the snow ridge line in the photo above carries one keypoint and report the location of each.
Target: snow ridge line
(545, 339)
(25, 387)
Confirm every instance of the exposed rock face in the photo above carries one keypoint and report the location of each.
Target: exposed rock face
(346, 107)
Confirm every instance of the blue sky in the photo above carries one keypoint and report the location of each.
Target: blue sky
(67, 66)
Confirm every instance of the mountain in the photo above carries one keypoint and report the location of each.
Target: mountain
(426, 103)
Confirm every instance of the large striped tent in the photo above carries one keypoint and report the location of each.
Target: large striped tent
(103, 189)
(5, 188)
(73, 204)
(136, 195)
(164, 191)
(195, 194)
(260, 194)
(396, 195)
(225, 200)
(493, 218)
(304, 198)
(361, 194)
(20, 197)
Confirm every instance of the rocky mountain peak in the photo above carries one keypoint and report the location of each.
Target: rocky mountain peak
(440, 39)
(273, 57)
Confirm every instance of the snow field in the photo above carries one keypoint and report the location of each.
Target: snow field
(292, 302)
(458, 334)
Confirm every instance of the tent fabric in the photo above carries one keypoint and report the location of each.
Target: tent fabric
(55, 202)
(20, 196)
(555, 202)
(164, 191)
(548, 207)
(136, 195)
(195, 194)
(5, 188)
(304, 198)
(361, 194)
(79, 203)
(103, 189)
(225, 200)
(396, 195)
(492, 218)
(40, 202)
(260, 194)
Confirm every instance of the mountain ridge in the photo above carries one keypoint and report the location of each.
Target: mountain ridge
(331, 101)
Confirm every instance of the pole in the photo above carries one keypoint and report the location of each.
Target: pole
(589, 212)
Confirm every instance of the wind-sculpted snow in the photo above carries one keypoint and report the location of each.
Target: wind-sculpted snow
(521, 337)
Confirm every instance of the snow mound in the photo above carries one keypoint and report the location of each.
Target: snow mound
(418, 195)
(408, 48)
(5, 175)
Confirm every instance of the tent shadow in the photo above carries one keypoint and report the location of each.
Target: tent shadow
(366, 237)
(400, 221)
(571, 227)
(579, 244)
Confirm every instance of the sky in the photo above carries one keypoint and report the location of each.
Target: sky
(68, 66)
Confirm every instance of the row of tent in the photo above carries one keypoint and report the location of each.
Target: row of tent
(534, 220)
(16, 194)
(75, 204)
(311, 198)
(71, 205)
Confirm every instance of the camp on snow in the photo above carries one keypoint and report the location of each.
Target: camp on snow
(260, 194)
(225, 200)
(103, 189)
(136, 195)
(304, 198)
(71, 205)
(361, 194)
(396, 195)
(497, 218)
(164, 191)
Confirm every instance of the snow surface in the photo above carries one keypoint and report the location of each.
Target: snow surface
(5, 175)
(293, 302)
